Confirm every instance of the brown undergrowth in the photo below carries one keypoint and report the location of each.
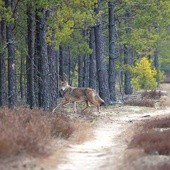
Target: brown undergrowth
(149, 98)
(32, 131)
(141, 102)
(153, 137)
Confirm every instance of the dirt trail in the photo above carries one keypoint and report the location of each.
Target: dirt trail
(105, 151)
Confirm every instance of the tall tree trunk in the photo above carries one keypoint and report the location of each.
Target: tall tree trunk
(52, 57)
(12, 84)
(127, 61)
(112, 51)
(3, 84)
(156, 65)
(61, 62)
(100, 63)
(86, 71)
(22, 77)
(92, 61)
(69, 66)
(128, 54)
(80, 71)
(44, 71)
(30, 59)
(37, 63)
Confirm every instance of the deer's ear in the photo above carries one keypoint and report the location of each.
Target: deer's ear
(60, 82)
(66, 82)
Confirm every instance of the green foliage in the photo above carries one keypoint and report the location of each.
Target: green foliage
(70, 17)
(164, 50)
(6, 13)
(143, 26)
(78, 44)
(144, 75)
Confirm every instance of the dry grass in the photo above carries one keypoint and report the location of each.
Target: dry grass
(153, 142)
(165, 166)
(141, 102)
(158, 123)
(152, 138)
(149, 98)
(155, 137)
(31, 131)
(152, 94)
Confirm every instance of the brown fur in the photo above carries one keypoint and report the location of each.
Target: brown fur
(75, 94)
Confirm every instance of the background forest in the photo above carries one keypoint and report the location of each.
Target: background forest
(95, 44)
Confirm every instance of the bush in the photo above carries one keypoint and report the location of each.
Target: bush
(153, 142)
(155, 137)
(141, 102)
(152, 94)
(144, 75)
(32, 131)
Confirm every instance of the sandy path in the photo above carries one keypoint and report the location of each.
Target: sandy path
(93, 154)
(105, 151)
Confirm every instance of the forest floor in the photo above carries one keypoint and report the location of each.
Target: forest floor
(107, 145)
(108, 149)
(105, 149)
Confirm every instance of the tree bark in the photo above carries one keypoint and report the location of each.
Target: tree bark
(80, 70)
(38, 64)
(45, 80)
(22, 77)
(92, 61)
(30, 57)
(112, 51)
(156, 65)
(52, 57)
(61, 62)
(12, 83)
(127, 61)
(42, 60)
(3, 84)
(128, 54)
(100, 63)
(86, 71)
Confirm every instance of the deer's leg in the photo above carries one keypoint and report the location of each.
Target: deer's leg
(61, 104)
(87, 105)
(98, 108)
(74, 107)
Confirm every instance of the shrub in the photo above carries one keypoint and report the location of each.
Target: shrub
(151, 140)
(158, 123)
(144, 75)
(141, 102)
(32, 131)
(152, 94)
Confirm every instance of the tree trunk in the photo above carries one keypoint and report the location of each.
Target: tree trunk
(30, 59)
(12, 84)
(156, 65)
(38, 61)
(92, 61)
(80, 71)
(52, 57)
(100, 63)
(61, 62)
(86, 71)
(22, 77)
(3, 84)
(37, 64)
(112, 52)
(127, 61)
(44, 71)
(69, 66)
(128, 54)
